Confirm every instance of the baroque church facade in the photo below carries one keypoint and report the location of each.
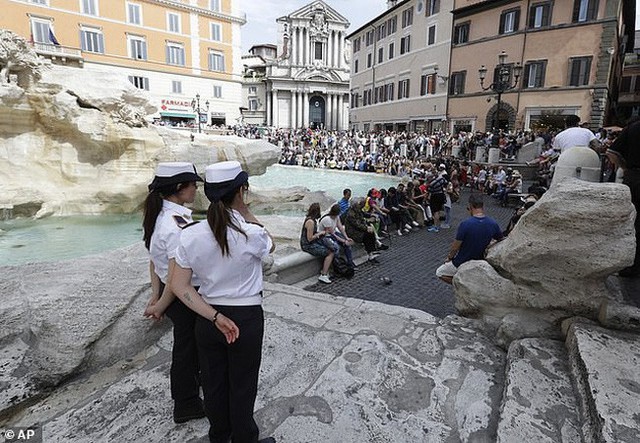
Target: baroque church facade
(307, 84)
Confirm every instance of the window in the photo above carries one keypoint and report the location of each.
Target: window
(431, 35)
(534, 74)
(355, 66)
(380, 55)
(89, 7)
(540, 15)
(456, 82)
(369, 38)
(407, 17)
(317, 51)
(461, 33)
(369, 60)
(175, 54)
(173, 22)
(579, 70)
(176, 86)
(137, 47)
(40, 31)
(403, 89)
(391, 50)
(216, 61)
(92, 40)
(381, 31)
(253, 104)
(217, 92)
(433, 7)
(630, 83)
(392, 25)
(214, 5)
(356, 44)
(509, 21)
(428, 84)
(134, 13)
(390, 88)
(405, 44)
(38, 2)
(216, 32)
(139, 82)
(253, 90)
(585, 10)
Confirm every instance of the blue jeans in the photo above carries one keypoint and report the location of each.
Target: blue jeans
(348, 253)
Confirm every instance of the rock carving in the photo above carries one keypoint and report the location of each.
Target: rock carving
(18, 58)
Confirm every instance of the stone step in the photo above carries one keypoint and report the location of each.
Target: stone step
(604, 364)
(539, 403)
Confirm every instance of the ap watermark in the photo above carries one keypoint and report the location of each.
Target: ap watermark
(21, 434)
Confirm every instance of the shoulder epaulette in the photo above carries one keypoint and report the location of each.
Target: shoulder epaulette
(180, 221)
(190, 224)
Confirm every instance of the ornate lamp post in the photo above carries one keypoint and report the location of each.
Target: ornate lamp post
(195, 104)
(502, 82)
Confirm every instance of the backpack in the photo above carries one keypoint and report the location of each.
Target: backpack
(341, 267)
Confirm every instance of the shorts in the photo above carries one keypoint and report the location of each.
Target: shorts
(316, 249)
(437, 202)
(446, 270)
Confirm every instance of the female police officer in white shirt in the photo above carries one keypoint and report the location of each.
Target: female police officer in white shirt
(226, 254)
(164, 217)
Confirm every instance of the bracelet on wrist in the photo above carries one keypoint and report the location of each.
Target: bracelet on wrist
(215, 317)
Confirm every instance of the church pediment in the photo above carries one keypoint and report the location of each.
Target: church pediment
(316, 12)
(318, 74)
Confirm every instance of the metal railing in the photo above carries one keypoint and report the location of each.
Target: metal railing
(58, 50)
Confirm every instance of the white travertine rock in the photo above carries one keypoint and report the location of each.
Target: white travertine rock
(539, 403)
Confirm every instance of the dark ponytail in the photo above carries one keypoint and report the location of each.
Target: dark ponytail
(219, 219)
(152, 207)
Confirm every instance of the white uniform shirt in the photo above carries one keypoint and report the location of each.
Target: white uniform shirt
(571, 137)
(232, 280)
(327, 222)
(166, 234)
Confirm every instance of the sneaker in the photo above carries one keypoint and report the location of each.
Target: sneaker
(406, 230)
(407, 226)
(399, 233)
(373, 260)
(432, 229)
(324, 278)
(445, 227)
(415, 223)
(374, 254)
(383, 247)
(184, 411)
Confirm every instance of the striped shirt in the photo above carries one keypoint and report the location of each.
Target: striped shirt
(437, 185)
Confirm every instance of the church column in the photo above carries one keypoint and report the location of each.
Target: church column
(299, 110)
(305, 109)
(334, 52)
(276, 110)
(305, 45)
(329, 58)
(340, 49)
(340, 112)
(297, 41)
(329, 108)
(268, 99)
(292, 110)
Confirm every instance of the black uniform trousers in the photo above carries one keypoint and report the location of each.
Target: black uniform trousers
(230, 374)
(632, 179)
(184, 373)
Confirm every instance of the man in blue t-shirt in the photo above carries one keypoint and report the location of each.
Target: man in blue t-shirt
(344, 202)
(473, 236)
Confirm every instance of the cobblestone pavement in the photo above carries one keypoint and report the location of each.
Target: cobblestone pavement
(410, 263)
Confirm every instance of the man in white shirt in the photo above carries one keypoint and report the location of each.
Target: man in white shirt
(573, 135)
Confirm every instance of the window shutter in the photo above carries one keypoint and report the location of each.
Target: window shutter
(502, 21)
(625, 86)
(527, 70)
(543, 70)
(592, 10)
(399, 89)
(532, 17)
(516, 21)
(587, 71)
(574, 75)
(431, 84)
(546, 15)
(436, 6)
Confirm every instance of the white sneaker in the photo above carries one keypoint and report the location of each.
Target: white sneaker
(324, 278)
(399, 233)
(415, 223)
(407, 226)
(406, 230)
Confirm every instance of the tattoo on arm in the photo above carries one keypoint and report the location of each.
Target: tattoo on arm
(187, 297)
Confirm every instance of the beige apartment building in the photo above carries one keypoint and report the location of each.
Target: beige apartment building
(570, 53)
(173, 49)
(399, 67)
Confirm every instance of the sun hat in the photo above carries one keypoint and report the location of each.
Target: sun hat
(223, 178)
(170, 173)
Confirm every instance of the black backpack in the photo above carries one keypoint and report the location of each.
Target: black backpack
(341, 267)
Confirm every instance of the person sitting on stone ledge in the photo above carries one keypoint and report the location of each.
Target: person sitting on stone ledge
(359, 230)
(335, 237)
(472, 239)
(311, 241)
(398, 215)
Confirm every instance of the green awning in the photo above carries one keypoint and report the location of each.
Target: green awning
(178, 115)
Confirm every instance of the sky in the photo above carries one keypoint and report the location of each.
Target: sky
(261, 24)
(262, 14)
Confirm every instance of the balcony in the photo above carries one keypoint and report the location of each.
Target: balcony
(60, 54)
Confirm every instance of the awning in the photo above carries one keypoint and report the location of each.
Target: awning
(178, 115)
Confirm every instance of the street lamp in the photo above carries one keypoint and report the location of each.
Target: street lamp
(502, 82)
(195, 105)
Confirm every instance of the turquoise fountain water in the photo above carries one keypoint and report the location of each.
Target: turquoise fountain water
(60, 238)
